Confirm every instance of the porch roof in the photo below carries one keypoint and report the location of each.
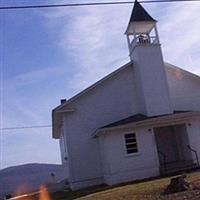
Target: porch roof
(142, 120)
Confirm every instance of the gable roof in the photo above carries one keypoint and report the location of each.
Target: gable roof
(168, 67)
(85, 91)
(140, 14)
(63, 108)
(173, 69)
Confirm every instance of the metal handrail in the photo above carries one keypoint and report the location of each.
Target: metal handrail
(197, 159)
(164, 159)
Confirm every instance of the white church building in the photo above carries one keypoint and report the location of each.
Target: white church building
(140, 121)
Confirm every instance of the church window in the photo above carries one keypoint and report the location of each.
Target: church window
(131, 143)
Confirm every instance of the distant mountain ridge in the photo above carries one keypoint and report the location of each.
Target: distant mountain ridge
(29, 177)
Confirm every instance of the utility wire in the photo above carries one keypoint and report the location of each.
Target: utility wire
(77, 5)
(90, 4)
(65, 5)
(25, 127)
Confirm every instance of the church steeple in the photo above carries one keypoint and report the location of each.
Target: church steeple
(146, 54)
(141, 28)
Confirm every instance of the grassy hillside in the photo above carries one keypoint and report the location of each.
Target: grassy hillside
(149, 190)
(29, 177)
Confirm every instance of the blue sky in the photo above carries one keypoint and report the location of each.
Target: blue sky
(49, 54)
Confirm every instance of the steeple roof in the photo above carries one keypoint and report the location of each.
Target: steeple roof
(140, 14)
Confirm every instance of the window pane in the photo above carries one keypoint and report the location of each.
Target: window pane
(131, 140)
(131, 143)
(131, 151)
(131, 135)
(129, 146)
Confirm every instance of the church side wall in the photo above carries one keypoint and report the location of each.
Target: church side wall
(184, 90)
(114, 99)
(122, 167)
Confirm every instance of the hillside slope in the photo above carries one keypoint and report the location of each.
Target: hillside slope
(29, 177)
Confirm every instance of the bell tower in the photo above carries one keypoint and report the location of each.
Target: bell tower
(146, 54)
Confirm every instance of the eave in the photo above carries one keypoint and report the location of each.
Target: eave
(57, 121)
(155, 121)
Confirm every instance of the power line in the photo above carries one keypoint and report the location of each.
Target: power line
(65, 5)
(25, 127)
(90, 4)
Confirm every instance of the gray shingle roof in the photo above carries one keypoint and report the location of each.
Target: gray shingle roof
(136, 118)
(140, 14)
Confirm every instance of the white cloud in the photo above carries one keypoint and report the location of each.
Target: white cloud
(93, 37)
(179, 30)
(32, 77)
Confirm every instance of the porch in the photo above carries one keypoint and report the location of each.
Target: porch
(174, 151)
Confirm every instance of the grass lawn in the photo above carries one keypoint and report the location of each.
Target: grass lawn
(146, 190)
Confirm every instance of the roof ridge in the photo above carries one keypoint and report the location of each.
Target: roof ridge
(167, 65)
(172, 67)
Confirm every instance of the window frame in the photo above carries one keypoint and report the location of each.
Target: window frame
(125, 147)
